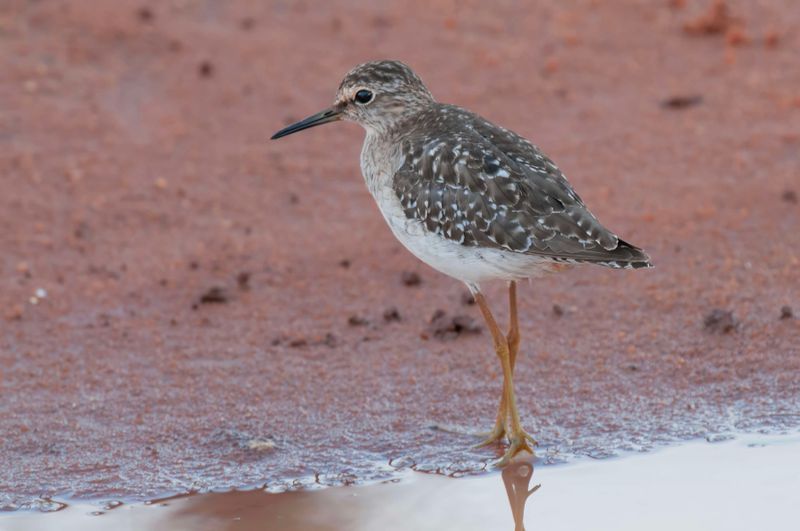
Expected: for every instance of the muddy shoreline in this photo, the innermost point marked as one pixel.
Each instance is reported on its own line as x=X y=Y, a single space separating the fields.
x=696 y=488
x=185 y=305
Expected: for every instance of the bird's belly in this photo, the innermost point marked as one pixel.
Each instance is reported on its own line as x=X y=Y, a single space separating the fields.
x=470 y=264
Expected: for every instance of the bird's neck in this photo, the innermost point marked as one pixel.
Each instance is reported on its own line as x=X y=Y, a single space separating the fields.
x=396 y=122
x=380 y=158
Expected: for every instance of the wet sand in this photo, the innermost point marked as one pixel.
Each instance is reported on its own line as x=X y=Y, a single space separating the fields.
x=747 y=483
x=186 y=306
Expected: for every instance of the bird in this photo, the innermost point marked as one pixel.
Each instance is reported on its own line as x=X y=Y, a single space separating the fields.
x=471 y=199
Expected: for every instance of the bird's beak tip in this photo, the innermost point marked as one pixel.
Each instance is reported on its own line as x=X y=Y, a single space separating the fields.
x=324 y=117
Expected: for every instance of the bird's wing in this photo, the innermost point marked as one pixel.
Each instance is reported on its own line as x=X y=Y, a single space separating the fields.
x=471 y=188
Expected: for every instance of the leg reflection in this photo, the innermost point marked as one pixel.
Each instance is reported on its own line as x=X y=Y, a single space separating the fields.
x=517 y=477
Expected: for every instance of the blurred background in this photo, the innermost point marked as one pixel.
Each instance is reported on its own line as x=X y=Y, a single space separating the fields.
x=186 y=305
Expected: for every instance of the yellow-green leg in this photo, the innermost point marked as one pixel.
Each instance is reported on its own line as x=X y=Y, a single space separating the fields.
x=506 y=346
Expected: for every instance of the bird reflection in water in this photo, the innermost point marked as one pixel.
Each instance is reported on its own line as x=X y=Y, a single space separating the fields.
x=517 y=478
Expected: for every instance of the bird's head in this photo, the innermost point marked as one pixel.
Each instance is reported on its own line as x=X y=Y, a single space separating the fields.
x=376 y=95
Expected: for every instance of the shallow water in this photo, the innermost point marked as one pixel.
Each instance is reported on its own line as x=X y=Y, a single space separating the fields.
x=750 y=482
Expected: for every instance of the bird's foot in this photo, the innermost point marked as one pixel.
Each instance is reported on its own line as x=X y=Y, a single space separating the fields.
x=451 y=428
x=497 y=435
x=488 y=438
x=518 y=442
x=528 y=437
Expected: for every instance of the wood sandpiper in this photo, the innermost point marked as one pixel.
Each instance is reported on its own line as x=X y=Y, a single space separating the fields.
x=470 y=199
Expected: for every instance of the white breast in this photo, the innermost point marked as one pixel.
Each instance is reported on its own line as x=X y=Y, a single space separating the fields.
x=468 y=264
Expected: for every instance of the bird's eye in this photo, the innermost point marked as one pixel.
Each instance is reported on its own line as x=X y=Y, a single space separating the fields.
x=363 y=96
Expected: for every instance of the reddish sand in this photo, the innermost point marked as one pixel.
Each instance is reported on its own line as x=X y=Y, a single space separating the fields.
x=136 y=176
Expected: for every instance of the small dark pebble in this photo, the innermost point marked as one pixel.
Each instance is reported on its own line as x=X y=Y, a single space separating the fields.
x=81 y=230
x=380 y=21
x=329 y=340
x=163 y=282
x=205 y=69
x=445 y=327
x=247 y=23
x=214 y=295
x=786 y=312
x=682 y=102
x=558 y=311
x=145 y=14
x=410 y=278
x=294 y=199
x=438 y=314
x=721 y=321
x=243 y=280
x=391 y=314
x=194 y=266
x=344 y=263
x=790 y=196
x=357 y=320
x=632 y=367
x=467 y=299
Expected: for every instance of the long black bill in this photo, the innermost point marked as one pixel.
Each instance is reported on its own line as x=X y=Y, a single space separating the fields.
x=328 y=115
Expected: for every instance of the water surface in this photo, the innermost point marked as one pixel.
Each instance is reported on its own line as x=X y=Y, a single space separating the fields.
x=750 y=482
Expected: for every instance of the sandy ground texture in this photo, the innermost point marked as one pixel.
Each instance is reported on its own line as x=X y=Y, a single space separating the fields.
x=186 y=305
